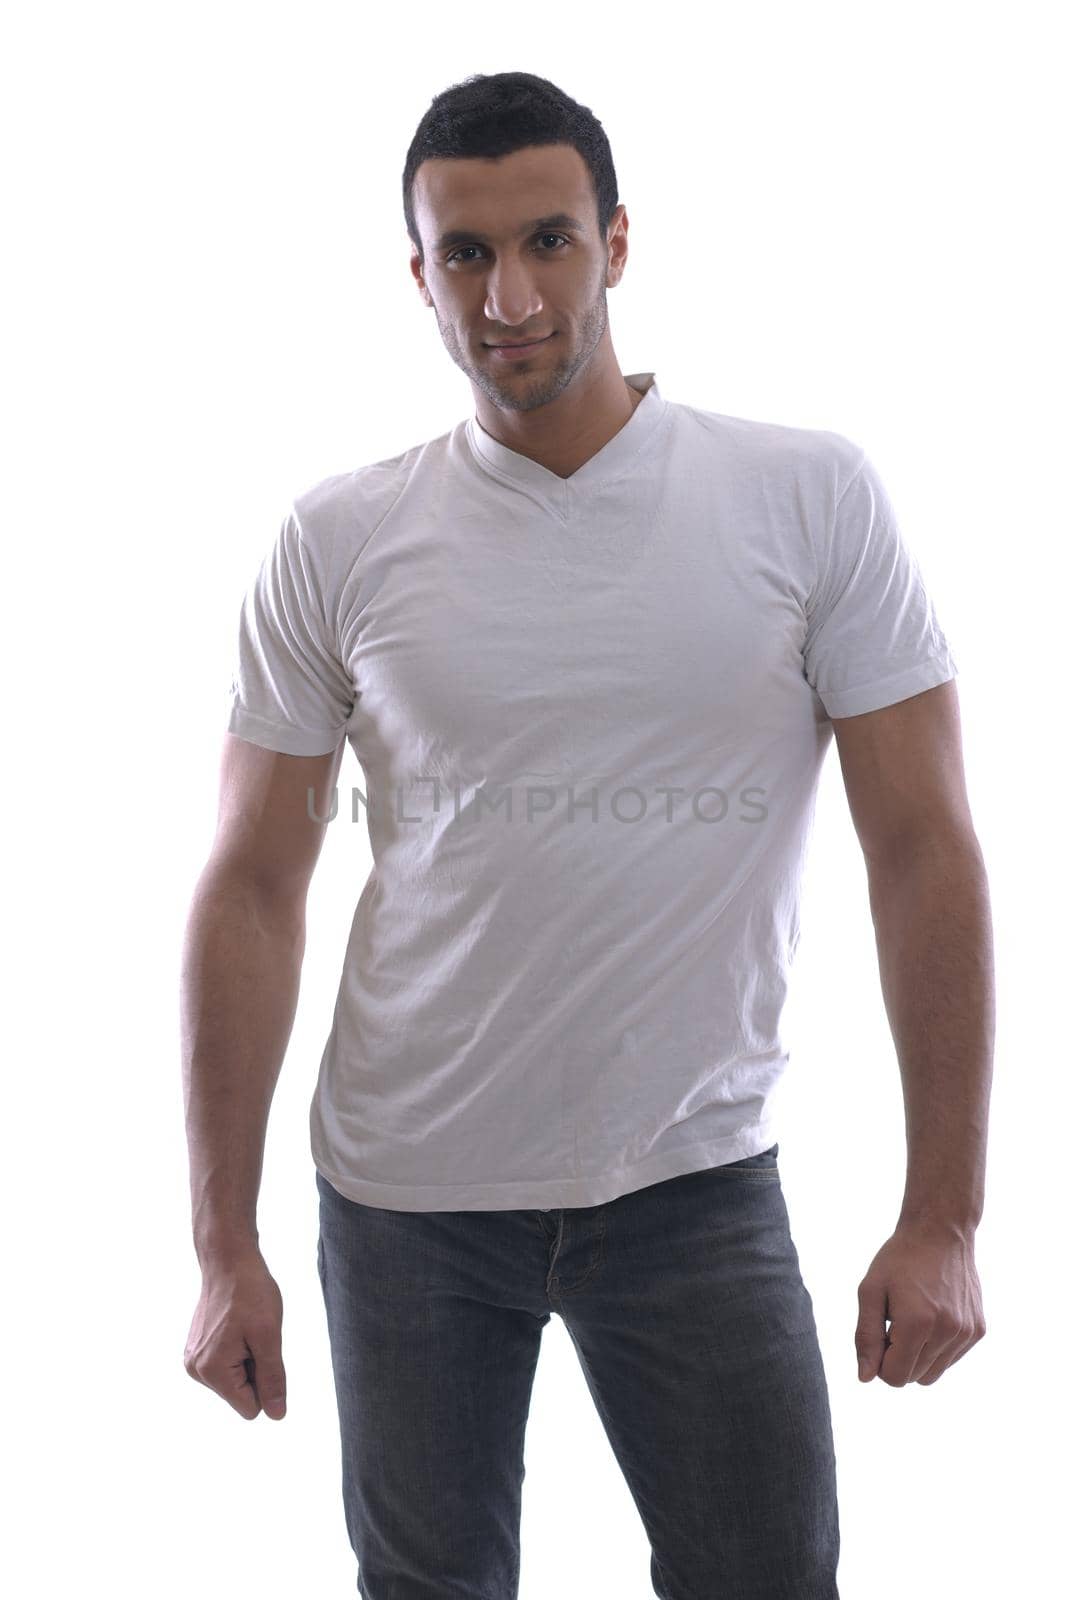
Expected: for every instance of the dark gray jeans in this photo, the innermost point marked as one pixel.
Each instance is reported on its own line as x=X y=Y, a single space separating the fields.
x=693 y=1328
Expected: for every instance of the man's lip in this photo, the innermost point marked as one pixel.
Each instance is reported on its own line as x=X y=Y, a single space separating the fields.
x=517 y=344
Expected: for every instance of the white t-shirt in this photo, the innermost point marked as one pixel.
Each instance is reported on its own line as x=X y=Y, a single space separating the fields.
x=561 y=1002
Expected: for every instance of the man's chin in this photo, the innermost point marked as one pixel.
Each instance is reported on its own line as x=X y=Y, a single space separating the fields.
x=523 y=392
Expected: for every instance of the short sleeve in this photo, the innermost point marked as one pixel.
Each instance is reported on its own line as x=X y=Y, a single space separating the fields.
x=290 y=691
x=873 y=637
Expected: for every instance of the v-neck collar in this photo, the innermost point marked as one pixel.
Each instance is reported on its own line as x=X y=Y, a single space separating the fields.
x=609 y=462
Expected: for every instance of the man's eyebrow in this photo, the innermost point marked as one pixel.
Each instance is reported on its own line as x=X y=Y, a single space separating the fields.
x=559 y=219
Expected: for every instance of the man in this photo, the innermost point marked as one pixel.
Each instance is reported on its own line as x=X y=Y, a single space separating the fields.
x=590 y=648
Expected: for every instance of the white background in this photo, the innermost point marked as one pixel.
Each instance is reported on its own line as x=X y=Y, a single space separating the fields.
x=841 y=216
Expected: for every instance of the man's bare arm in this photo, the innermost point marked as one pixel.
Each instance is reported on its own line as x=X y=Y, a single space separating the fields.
x=904 y=778
x=240 y=979
x=933 y=926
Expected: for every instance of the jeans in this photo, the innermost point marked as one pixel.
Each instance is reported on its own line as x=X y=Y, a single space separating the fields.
x=695 y=1334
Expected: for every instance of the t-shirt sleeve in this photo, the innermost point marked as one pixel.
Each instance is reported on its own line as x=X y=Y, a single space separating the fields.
x=290 y=691
x=873 y=636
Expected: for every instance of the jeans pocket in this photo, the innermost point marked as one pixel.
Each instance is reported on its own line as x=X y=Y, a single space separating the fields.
x=763 y=1165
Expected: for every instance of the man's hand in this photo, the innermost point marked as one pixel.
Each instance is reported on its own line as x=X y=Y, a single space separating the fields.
x=235 y=1342
x=923 y=1280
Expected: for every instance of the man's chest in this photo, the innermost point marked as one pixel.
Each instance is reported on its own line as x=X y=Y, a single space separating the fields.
x=638 y=638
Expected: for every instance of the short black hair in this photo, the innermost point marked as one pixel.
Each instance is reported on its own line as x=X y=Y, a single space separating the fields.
x=495 y=114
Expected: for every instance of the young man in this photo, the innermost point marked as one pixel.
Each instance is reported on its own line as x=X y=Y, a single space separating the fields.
x=590 y=648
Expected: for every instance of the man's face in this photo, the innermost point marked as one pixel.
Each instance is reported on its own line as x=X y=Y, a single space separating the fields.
x=496 y=273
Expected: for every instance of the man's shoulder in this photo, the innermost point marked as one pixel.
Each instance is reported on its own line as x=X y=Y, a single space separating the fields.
x=374 y=480
x=346 y=507
x=764 y=444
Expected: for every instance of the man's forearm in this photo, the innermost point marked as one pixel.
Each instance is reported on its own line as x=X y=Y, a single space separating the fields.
x=934 y=935
x=239 y=985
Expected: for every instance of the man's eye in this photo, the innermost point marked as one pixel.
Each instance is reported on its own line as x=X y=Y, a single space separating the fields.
x=457 y=253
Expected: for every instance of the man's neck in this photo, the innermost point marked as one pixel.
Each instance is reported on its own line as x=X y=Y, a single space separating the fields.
x=568 y=459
